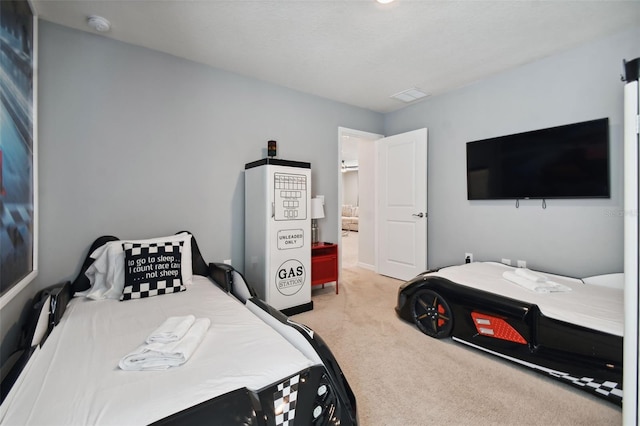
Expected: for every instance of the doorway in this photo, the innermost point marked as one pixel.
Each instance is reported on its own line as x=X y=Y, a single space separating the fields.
x=397 y=165
x=356 y=195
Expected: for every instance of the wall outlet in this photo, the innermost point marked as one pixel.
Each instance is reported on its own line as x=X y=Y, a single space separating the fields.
x=522 y=263
x=468 y=257
x=506 y=261
x=227 y=261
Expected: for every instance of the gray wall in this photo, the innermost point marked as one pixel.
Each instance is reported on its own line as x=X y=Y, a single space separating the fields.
x=136 y=143
x=573 y=237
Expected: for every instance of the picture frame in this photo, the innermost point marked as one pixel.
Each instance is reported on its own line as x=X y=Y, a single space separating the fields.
x=18 y=148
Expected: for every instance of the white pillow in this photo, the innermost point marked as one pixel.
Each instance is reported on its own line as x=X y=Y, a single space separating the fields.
x=607 y=280
x=106 y=274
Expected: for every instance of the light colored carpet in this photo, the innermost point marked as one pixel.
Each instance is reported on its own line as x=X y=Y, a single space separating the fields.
x=402 y=377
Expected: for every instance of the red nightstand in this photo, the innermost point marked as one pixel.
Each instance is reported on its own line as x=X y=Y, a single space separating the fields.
x=324 y=264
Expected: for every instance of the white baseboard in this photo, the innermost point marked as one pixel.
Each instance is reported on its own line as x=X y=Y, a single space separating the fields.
x=366 y=266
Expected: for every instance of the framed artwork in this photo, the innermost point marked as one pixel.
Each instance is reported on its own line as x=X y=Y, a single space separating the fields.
x=18 y=147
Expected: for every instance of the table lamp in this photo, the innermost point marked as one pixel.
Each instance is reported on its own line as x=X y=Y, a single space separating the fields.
x=317 y=212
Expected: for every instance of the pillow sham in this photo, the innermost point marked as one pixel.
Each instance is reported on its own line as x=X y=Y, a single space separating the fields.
x=152 y=269
x=106 y=274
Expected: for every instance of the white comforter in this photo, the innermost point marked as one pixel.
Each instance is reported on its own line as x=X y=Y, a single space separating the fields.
x=593 y=306
x=74 y=378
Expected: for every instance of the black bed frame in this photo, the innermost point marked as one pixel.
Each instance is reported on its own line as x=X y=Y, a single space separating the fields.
x=558 y=349
x=229 y=408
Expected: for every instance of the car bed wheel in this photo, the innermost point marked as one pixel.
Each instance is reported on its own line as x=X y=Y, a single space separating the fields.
x=431 y=313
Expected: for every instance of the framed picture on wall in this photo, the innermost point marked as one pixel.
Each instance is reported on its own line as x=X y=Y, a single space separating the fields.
x=18 y=147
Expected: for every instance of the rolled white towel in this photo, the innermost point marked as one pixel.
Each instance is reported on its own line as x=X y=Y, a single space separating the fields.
x=531 y=275
x=172 y=329
x=554 y=287
x=521 y=281
x=161 y=356
x=538 y=287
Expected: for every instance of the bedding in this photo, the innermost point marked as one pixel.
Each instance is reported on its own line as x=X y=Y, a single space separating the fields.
x=228 y=364
x=607 y=280
x=107 y=330
x=568 y=328
x=596 y=307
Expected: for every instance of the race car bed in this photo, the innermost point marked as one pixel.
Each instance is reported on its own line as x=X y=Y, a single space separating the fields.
x=235 y=361
x=570 y=329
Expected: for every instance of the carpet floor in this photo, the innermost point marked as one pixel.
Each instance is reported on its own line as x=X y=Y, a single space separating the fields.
x=402 y=377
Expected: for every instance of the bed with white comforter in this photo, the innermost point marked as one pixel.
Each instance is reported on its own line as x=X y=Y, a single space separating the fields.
x=568 y=328
x=79 y=362
x=595 y=306
x=245 y=353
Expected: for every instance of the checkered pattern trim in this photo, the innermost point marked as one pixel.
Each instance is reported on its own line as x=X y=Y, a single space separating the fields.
x=152 y=269
x=610 y=390
x=607 y=388
x=284 y=401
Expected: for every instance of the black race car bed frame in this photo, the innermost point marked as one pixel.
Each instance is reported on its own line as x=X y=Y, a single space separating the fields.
x=515 y=330
x=324 y=396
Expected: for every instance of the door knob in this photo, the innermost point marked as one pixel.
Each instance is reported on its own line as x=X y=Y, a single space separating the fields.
x=418 y=215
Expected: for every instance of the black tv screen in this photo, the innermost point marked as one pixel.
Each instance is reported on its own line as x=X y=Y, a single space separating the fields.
x=570 y=161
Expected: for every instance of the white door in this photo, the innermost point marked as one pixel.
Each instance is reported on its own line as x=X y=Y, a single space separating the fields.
x=401 y=223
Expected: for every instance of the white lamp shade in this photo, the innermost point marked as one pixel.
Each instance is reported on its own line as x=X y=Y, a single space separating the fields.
x=317 y=209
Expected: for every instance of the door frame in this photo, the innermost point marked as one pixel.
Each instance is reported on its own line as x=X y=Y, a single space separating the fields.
x=631 y=249
x=342 y=132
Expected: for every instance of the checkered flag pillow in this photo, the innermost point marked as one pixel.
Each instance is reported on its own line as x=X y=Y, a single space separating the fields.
x=152 y=269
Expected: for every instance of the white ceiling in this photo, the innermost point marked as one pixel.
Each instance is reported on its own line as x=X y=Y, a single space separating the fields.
x=354 y=51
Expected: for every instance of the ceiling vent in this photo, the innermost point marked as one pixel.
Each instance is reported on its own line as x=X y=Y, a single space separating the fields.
x=409 y=95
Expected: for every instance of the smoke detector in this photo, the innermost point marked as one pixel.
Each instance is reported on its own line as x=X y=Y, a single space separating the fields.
x=99 y=23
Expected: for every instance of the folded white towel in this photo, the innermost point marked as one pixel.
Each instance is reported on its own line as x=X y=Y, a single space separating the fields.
x=538 y=287
x=174 y=328
x=161 y=356
x=531 y=275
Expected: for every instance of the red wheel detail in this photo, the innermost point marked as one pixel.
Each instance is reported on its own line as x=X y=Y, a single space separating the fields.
x=431 y=313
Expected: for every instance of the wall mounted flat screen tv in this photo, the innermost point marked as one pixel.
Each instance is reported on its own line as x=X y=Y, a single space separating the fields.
x=570 y=161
